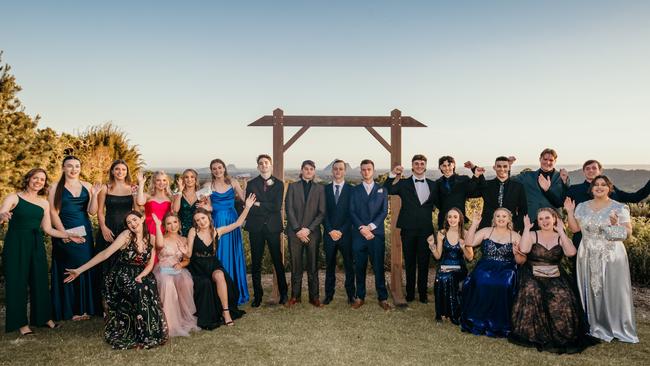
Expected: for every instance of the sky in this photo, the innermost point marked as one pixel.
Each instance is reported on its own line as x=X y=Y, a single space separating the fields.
x=488 y=78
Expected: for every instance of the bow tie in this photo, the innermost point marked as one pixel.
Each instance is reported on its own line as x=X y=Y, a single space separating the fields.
x=419 y=181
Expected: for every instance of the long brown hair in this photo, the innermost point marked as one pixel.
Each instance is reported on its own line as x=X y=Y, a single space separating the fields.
x=58 y=193
x=145 y=230
x=226 y=177
x=29 y=175
x=203 y=211
x=111 y=177
x=461 y=220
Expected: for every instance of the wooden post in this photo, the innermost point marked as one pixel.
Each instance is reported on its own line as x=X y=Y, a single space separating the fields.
x=278 y=172
x=395 y=205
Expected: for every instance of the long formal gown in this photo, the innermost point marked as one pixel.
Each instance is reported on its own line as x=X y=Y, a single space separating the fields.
x=80 y=296
x=158 y=208
x=186 y=215
x=230 y=250
x=547 y=313
x=446 y=288
x=209 y=308
x=489 y=291
x=603 y=275
x=25 y=268
x=135 y=318
x=176 y=291
x=117 y=207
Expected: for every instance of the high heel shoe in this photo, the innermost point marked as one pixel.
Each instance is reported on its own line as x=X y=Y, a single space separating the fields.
x=229 y=323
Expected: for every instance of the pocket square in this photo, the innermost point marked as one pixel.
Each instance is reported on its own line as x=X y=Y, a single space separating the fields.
x=380 y=190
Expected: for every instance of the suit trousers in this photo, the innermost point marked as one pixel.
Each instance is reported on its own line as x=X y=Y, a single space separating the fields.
x=375 y=249
x=343 y=245
x=416 y=260
x=273 y=240
x=299 y=250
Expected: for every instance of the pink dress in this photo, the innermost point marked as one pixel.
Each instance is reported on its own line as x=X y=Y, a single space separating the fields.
x=158 y=208
x=176 y=291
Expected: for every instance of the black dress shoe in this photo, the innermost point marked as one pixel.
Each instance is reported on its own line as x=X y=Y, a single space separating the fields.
x=350 y=300
x=327 y=300
x=409 y=298
x=283 y=299
x=424 y=300
x=256 y=303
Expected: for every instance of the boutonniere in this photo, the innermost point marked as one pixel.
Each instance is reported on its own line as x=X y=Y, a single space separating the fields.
x=269 y=182
x=380 y=190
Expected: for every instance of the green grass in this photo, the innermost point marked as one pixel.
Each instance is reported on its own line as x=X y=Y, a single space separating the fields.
x=305 y=335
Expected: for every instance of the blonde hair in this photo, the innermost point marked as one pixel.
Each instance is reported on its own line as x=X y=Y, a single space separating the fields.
x=152 y=184
x=553 y=213
x=494 y=224
x=196 y=178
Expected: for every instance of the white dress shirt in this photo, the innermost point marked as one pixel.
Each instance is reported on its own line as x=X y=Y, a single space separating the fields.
x=422 y=189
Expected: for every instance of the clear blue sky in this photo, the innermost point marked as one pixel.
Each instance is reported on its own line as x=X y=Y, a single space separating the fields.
x=489 y=78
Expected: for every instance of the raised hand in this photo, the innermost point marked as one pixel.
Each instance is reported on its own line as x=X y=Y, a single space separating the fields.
x=141 y=178
x=511 y=160
x=180 y=184
x=156 y=220
x=250 y=200
x=569 y=204
x=398 y=169
x=544 y=182
x=72 y=274
x=97 y=187
x=527 y=224
x=564 y=175
x=476 y=217
x=479 y=171
x=613 y=218
x=469 y=165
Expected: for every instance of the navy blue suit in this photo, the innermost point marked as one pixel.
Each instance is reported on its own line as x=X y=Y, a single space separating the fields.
x=364 y=210
x=337 y=217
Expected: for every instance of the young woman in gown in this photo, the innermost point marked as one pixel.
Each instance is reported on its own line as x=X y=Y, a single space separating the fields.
x=135 y=318
x=215 y=295
x=23 y=255
x=157 y=200
x=450 y=249
x=71 y=201
x=185 y=201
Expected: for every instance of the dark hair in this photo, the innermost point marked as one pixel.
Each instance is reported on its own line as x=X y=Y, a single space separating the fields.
x=419 y=157
x=548 y=151
x=111 y=177
x=308 y=162
x=263 y=156
x=336 y=161
x=203 y=211
x=501 y=158
x=592 y=161
x=461 y=221
x=173 y=214
x=609 y=183
x=29 y=175
x=145 y=229
x=448 y=159
x=367 y=161
x=58 y=193
x=226 y=177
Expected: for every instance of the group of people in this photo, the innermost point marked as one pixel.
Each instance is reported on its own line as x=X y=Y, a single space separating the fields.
x=178 y=265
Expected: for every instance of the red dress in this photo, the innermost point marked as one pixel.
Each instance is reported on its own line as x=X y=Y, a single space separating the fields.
x=158 y=208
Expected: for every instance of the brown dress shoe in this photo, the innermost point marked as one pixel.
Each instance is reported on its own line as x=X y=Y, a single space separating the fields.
x=357 y=304
x=384 y=305
x=292 y=301
x=316 y=303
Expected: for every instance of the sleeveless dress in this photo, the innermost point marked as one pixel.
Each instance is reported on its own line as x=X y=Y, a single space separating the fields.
x=547 y=314
x=25 y=266
x=176 y=291
x=230 y=250
x=209 y=308
x=603 y=274
x=185 y=215
x=489 y=291
x=79 y=296
x=158 y=208
x=117 y=207
x=446 y=288
x=135 y=318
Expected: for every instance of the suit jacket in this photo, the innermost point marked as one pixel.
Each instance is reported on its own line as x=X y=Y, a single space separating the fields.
x=413 y=215
x=514 y=199
x=369 y=208
x=462 y=187
x=308 y=214
x=337 y=215
x=535 y=197
x=269 y=213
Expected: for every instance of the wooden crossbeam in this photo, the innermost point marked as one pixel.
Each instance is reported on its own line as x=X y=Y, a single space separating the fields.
x=295 y=137
x=379 y=138
x=338 y=121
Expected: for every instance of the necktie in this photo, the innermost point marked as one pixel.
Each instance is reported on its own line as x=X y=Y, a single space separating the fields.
x=500 y=199
x=419 y=180
x=337 y=193
x=447 y=185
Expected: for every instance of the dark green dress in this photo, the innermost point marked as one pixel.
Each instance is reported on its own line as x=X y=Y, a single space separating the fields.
x=25 y=267
x=186 y=215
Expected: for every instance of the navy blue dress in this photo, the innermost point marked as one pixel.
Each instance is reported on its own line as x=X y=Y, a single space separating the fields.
x=446 y=288
x=78 y=297
x=489 y=292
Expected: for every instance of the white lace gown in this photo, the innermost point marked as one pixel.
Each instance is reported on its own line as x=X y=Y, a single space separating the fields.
x=604 y=275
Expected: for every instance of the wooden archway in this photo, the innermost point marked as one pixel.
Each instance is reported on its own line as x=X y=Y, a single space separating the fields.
x=395 y=121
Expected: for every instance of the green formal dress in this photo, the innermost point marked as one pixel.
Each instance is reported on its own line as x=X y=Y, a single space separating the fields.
x=25 y=267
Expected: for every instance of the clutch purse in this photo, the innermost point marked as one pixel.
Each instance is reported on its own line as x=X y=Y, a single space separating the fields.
x=78 y=231
x=449 y=268
x=546 y=271
x=169 y=270
x=615 y=233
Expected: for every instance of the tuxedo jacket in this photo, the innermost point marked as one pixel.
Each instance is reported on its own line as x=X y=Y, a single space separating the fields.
x=369 y=208
x=269 y=213
x=536 y=197
x=414 y=215
x=308 y=214
x=514 y=199
x=462 y=187
x=337 y=214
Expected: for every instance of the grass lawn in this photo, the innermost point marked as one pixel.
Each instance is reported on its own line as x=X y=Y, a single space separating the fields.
x=333 y=335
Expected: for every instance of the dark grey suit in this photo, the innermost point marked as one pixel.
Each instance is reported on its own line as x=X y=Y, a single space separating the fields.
x=308 y=214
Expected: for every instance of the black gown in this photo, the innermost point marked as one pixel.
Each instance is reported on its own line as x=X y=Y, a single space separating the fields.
x=209 y=309
x=117 y=207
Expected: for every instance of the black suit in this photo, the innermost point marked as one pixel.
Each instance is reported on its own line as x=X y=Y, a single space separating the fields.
x=453 y=192
x=416 y=223
x=264 y=224
x=337 y=217
x=514 y=199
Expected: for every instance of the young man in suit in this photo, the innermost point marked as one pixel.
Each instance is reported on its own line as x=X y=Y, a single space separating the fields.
x=500 y=192
x=305 y=209
x=453 y=189
x=368 y=210
x=415 y=220
x=337 y=234
x=264 y=226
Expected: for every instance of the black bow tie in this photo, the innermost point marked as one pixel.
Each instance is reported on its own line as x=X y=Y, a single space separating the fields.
x=419 y=181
